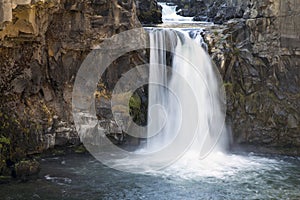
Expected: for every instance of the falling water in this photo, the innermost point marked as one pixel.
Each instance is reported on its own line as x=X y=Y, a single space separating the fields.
x=169 y=14
x=159 y=96
x=191 y=90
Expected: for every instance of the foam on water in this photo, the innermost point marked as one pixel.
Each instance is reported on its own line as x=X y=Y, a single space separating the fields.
x=217 y=165
x=169 y=14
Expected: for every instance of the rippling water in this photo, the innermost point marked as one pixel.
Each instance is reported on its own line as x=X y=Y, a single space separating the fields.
x=225 y=177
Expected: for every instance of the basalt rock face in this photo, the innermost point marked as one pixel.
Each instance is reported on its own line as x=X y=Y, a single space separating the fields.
x=259 y=55
x=192 y=8
x=258 y=51
x=42 y=45
x=189 y=8
x=149 y=12
x=210 y=10
x=215 y=11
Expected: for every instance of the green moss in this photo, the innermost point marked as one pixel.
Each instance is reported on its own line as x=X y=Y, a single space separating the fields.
x=80 y=149
x=138 y=109
x=5 y=179
x=58 y=152
x=17 y=137
x=4 y=140
x=228 y=85
x=240 y=97
x=135 y=102
x=236 y=51
x=272 y=96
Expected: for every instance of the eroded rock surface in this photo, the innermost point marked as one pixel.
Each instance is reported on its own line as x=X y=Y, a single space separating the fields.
x=259 y=55
x=149 y=12
x=257 y=48
x=43 y=44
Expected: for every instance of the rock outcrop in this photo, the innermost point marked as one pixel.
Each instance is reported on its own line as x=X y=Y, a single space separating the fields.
x=43 y=44
x=259 y=55
x=149 y=12
x=258 y=51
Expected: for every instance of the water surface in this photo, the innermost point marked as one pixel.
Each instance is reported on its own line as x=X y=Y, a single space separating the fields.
x=233 y=177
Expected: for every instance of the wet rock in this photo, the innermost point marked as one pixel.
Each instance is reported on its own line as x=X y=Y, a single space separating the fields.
x=49 y=141
x=261 y=75
x=200 y=18
x=26 y=168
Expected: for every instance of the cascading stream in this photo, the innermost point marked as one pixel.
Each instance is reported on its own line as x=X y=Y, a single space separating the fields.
x=190 y=90
x=169 y=14
x=187 y=98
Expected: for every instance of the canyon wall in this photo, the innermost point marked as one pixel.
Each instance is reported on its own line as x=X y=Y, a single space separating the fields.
x=43 y=44
x=257 y=48
x=259 y=55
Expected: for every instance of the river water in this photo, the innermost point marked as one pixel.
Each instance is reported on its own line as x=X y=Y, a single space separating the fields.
x=249 y=176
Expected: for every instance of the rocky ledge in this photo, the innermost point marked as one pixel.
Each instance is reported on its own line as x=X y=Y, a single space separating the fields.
x=259 y=57
x=149 y=12
x=43 y=43
x=257 y=49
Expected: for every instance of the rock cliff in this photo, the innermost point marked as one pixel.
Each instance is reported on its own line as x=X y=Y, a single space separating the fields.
x=43 y=43
x=149 y=12
x=259 y=54
x=257 y=50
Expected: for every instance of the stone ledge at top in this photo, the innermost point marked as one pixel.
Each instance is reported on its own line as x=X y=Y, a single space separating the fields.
x=6 y=7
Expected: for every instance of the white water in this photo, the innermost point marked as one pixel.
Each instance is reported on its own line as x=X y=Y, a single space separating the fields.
x=160 y=101
x=169 y=14
x=189 y=104
x=194 y=99
x=195 y=94
x=218 y=165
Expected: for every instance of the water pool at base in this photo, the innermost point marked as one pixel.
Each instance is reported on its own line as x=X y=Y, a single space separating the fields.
x=233 y=177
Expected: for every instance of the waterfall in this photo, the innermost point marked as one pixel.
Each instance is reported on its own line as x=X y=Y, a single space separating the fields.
x=169 y=14
x=159 y=97
x=186 y=105
x=185 y=97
